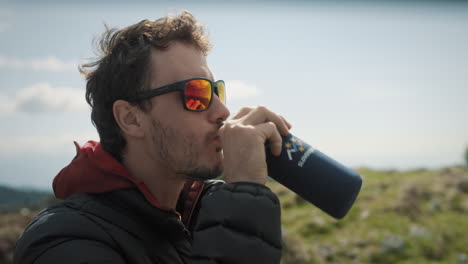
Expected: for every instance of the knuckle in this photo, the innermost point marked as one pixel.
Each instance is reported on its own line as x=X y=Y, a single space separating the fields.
x=236 y=128
x=262 y=108
x=245 y=109
x=240 y=129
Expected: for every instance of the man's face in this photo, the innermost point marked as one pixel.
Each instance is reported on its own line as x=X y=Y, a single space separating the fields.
x=179 y=141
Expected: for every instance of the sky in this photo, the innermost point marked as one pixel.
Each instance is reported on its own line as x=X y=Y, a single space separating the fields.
x=378 y=84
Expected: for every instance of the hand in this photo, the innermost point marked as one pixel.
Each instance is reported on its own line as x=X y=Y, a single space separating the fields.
x=243 y=138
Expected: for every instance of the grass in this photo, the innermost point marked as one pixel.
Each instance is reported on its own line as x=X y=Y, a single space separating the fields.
x=414 y=216
x=11 y=226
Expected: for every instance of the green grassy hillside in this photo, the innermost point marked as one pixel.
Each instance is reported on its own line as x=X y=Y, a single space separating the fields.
x=11 y=198
x=416 y=216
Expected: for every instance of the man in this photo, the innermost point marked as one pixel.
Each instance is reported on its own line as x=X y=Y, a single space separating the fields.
x=143 y=194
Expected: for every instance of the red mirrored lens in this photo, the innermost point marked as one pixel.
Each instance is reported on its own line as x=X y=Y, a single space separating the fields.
x=197 y=94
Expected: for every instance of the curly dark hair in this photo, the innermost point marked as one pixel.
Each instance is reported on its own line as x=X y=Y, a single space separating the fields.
x=124 y=68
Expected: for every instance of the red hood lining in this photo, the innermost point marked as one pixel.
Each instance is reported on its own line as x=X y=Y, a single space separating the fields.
x=93 y=170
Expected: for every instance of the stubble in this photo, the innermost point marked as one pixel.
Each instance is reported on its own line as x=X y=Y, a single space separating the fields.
x=182 y=153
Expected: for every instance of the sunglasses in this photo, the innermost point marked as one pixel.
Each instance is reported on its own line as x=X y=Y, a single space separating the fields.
x=197 y=93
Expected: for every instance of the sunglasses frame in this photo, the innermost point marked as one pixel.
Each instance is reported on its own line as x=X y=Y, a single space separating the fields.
x=180 y=86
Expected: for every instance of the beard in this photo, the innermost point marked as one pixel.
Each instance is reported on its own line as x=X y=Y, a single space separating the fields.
x=182 y=153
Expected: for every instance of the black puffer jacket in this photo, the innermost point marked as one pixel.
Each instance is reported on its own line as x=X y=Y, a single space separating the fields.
x=232 y=223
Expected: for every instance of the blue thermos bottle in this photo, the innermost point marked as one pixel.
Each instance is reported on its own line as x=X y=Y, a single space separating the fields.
x=314 y=176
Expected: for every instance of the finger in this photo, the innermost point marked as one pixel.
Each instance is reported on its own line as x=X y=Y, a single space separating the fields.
x=286 y=122
x=242 y=112
x=262 y=114
x=270 y=133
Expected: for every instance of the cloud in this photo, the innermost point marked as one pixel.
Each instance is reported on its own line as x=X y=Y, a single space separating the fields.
x=238 y=90
x=50 y=63
x=6 y=105
x=45 y=143
x=42 y=97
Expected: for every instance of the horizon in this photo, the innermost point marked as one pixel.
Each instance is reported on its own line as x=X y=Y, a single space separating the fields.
x=378 y=85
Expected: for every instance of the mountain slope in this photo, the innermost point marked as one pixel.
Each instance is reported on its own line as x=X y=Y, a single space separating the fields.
x=11 y=198
x=416 y=216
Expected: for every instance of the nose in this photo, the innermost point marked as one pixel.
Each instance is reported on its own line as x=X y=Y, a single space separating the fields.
x=218 y=111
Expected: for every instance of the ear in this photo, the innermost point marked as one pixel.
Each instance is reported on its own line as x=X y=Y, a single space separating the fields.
x=128 y=118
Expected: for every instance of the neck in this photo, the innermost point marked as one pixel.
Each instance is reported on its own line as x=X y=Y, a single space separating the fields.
x=163 y=183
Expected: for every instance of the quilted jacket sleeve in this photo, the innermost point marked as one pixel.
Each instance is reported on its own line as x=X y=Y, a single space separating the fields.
x=237 y=223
